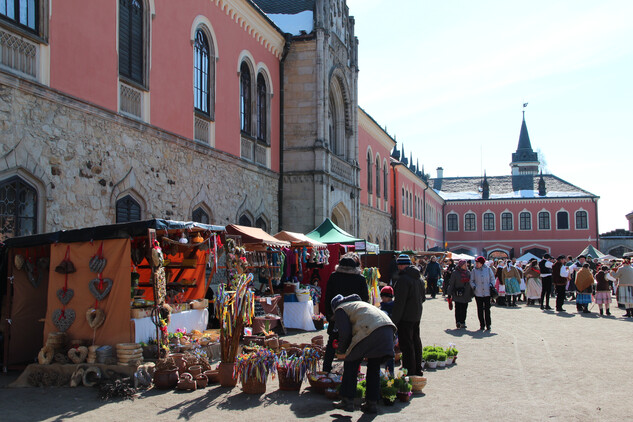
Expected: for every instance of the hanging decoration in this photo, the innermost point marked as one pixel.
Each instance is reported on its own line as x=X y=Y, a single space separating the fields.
x=100 y=287
x=95 y=317
x=63 y=319
x=65 y=295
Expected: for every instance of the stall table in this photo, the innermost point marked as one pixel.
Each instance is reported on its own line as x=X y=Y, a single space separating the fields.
x=195 y=319
x=299 y=315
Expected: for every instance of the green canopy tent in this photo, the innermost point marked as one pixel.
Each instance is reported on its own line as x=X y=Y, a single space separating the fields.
x=592 y=252
x=328 y=232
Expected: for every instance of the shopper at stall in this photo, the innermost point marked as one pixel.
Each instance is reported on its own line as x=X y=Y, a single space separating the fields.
x=407 y=311
x=346 y=280
x=364 y=332
x=461 y=292
x=481 y=279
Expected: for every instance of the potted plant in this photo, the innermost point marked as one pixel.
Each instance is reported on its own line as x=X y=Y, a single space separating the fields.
x=403 y=387
x=441 y=359
x=252 y=369
x=431 y=359
x=389 y=394
x=451 y=352
x=361 y=388
x=235 y=308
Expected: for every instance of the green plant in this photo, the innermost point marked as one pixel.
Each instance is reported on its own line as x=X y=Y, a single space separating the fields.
x=441 y=357
x=431 y=356
x=360 y=391
x=389 y=393
x=401 y=384
x=451 y=351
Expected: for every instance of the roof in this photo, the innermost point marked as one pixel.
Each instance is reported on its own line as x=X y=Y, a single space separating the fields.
x=298 y=239
x=617 y=234
x=255 y=236
x=524 y=186
x=592 y=252
x=524 y=153
x=287 y=7
x=110 y=231
x=328 y=232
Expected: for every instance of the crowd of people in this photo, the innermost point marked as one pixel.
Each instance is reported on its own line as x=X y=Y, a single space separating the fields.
x=358 y=330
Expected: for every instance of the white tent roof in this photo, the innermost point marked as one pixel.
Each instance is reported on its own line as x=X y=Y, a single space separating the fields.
x=526 y=257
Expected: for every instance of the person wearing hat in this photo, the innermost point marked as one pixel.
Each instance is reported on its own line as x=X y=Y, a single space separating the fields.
x=461 y=292
x=346 y=280
x=364 y=332
x=545 y=267
x=481 y=279
x=560 y=276
x=409 y=295
x=386 y=305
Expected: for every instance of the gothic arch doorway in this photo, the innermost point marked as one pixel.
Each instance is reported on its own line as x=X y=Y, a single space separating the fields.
x=341 y=217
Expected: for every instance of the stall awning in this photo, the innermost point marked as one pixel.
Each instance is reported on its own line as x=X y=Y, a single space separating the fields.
x=255 y=236
x=328 y=232
x=592 y=252
x=299 y=239
x=110 y=231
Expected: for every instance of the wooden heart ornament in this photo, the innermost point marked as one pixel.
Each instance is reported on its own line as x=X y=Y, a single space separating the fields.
x=18 y=262
x=93 y=286
x=78 y=355
x=63 y=319
x=95 y=317
x=64 y=296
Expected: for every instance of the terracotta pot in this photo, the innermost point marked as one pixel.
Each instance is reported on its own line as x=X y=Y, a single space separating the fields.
x=213 y=376
x=272 y=342
x=403 y=397
x=167 y=378
x=195 y=370
x=225 y=371
x=201 y=380
x=179 y=361
x=186 y=382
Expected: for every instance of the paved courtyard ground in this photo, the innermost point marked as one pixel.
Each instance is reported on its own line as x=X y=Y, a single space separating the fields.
x=534 y=365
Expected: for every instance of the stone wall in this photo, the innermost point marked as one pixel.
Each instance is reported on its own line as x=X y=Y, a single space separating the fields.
x=82 y=159
x=376 y=226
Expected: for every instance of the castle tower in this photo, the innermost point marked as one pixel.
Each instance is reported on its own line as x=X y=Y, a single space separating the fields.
x=525 y=160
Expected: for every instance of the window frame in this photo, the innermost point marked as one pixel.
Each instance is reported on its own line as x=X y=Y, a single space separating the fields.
x=262 y=107
x=131 y=201
x=541 y=220
x=504 y=221
x=201 y=212
x=558 y=222
x=370 y=165
x=198 y=73
x=378 y=176
x=449 y=224
x=246 y=98
x=15 y=21
x=143 y=83
x=473 y=217
x=485 y=224
x=243 y=219
x=22 y=185
x=521 y=221
x=585 y=218
x=385 y=170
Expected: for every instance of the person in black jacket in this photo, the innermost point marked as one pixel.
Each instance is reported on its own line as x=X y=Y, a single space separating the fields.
x=409 y=295
x=545 y=267
x=433 y=272
x=346 y=280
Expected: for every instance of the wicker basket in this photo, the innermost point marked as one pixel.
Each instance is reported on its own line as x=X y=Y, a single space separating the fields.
x=254 y=386
x=320 y=385
x=287 y=383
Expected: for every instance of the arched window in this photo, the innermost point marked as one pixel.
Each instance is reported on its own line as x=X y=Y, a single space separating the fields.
x=18 y=208
x=489 y=221
x=506 y=221
x=470 y=222
x=261 y=223
x=525 y=221
x=404 y=207
x=452 y=225
x=543 y=220
x=333 y=123
x=245 y=98
x=385 y=171
x=199 y=215
x=245 y=221
x=202 y=98
x=562 y=220
x=127 y=209
x=378 y=177
x=581 y=220
x=370 y=165
x=262 y=109
x=131 y=42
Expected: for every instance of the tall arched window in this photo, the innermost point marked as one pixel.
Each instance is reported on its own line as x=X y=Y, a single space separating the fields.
x=385 y=171
x=131 y=42
x=562 y=220
x=506 y=221
x=470 y=222
x=404 y=208
x=370 y=166
x=18 y=208
x=581 y=220
x=489 y=221
x=261 y=223
x=525 y=221
x=245 y=221
x=262 y=109
x=543 y=220
x=378 y=176
x=245 y=98
x=452 y=224
x=199 y=215
x=202 y=74
x=127 y=209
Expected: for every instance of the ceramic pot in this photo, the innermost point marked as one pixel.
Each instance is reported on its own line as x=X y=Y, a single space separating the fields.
x=225 y=371
x=186 y=382
x=201 y=381
x=167 y=378
x=213 y=376
x=441 y=363
x=195 y=370
x=403 y=397
x=432 y=364
x=179 y=361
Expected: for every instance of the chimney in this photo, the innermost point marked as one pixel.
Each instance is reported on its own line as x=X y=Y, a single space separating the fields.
x=440 y=173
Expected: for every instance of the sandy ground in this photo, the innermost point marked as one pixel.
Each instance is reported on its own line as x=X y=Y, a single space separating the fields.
x=534 y=365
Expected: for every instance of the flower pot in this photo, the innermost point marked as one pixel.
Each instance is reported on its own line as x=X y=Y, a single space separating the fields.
x=201 y=381
x=179 y=361
x=253 y=386
x=403 y=397
x=449 y=360
x=195 y=370
x=186 y=382
x=225 y=371
x=432 y=364
x=167 y=378
x=213 y=376
x=287 y=383
x=417 y=383
x=441 y=363
x=387 y=402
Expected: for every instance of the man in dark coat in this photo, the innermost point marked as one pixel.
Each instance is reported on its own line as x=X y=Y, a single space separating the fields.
x=346 y=280
x=407 y=311
x=433 y=272
x=364 y=332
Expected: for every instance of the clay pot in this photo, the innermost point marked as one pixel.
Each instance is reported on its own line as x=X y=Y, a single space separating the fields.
x=272 y=342
x=195 y=370
x=186 y=382
x=403 y=397
x=167 y=378
x=179 y=361
x=213 y=376
x=201 y=380
x=225 y=371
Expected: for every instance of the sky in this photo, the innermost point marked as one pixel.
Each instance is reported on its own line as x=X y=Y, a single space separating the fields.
x=448 y=79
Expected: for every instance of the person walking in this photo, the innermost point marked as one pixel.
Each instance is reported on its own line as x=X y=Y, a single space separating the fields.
x=624 y=275
x=584 y=285
x=511 y=277
x=407 y=312
x=364 y=332
x=433 y=272
x=603 y=290
x=447 y=275
x=560 y=275
x=346 y=280
x=460 y=292
x=534 y=286
x=481 y=279
x=545 y=267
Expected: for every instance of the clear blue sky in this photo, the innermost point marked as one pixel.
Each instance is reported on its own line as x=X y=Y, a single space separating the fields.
x=448 y=78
